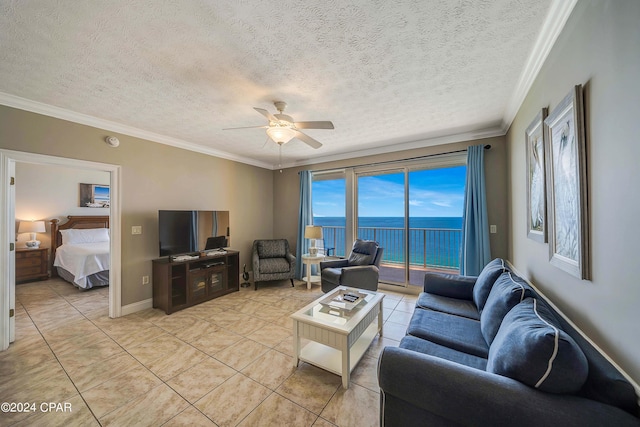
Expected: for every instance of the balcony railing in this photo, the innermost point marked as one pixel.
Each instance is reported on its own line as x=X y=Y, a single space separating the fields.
x=437 y=248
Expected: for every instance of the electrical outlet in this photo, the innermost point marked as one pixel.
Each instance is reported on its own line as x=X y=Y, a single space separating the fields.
x=145 y=280
x=493 y=229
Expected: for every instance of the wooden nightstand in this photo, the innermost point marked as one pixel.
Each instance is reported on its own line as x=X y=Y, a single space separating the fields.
x=32 y=264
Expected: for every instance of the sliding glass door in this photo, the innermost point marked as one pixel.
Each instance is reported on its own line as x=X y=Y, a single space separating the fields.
x=381 y=216
x=413 y=210
x=436 y=197
x=415 y=214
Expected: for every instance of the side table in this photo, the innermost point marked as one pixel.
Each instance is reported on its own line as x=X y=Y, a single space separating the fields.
x=310 y=260
x=32 y=264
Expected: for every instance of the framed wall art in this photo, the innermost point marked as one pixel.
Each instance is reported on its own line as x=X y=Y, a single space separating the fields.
x=536 y=179
x=566 y=186
x=94 y=196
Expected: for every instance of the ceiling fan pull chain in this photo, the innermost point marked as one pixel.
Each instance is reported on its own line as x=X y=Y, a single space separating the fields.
x=280 y=157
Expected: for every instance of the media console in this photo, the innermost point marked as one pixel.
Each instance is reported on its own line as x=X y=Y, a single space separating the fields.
x=181 y=284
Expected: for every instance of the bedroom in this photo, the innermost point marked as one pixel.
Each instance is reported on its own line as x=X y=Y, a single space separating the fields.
x=38 y=197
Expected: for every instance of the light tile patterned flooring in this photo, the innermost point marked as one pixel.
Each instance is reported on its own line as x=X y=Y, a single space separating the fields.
x=225 y=362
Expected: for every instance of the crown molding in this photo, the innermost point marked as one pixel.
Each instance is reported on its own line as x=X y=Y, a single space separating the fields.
x=422 y=143
x=559 y=12
x=84 y=119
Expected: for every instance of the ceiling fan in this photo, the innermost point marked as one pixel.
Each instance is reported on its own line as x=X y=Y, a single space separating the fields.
x=282 y=128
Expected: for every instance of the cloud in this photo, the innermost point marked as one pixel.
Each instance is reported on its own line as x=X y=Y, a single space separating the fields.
x=415 y=203
x=444 y=204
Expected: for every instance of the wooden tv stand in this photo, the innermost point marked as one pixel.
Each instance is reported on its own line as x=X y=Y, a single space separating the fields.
x=181 y=284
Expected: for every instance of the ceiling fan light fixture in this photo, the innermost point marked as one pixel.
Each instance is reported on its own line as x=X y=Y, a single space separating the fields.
x=281 y=135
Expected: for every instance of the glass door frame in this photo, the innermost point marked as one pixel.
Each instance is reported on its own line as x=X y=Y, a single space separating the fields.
x=377 y=171
x=408 y=166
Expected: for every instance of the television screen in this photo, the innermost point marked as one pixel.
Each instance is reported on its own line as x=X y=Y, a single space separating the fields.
x=183 y=232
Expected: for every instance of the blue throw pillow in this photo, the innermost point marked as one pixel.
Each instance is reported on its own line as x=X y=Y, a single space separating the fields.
x=485 y=281
x=530 y=347
x=508 y=291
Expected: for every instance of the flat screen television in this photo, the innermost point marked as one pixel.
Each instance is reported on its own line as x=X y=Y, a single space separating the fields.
x=183 y=231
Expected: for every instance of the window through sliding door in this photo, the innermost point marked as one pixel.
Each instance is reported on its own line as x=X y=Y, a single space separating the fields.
x=436 y=198
x=328 y=203
x=382 y=217
x=413 y=209
x=415 y=214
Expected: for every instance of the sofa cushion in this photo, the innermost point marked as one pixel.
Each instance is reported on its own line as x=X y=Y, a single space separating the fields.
x=459 y=307
x=274 y=265
x=459 y=333
x=363 y=252
x=530 y=347
x=412 y=343
x=485 y=281
x=272 y=248
x=506 y=292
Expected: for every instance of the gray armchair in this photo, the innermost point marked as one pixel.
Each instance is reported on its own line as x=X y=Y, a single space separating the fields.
x=272 y=260
x=360 y=270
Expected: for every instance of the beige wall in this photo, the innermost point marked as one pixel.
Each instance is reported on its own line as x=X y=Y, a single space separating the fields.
x=154 y=176
x=598 y=48
x=287 y=188
x=44 y=192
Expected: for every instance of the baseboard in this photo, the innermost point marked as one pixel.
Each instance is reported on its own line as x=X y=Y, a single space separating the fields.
x=137 y=306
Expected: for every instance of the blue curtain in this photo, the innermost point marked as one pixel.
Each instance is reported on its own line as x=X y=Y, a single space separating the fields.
x=476 y=252
x=305 y=218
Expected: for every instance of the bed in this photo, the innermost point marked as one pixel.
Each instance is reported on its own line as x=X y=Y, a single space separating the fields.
x=80 y=250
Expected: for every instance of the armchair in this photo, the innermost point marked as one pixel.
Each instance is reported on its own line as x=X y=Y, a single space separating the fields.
x=272 y=260
x=360 y=270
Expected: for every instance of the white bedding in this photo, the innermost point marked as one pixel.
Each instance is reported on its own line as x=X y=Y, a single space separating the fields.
x=82 y=260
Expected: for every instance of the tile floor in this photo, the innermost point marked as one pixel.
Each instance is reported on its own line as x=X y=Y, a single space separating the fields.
x=225 y=362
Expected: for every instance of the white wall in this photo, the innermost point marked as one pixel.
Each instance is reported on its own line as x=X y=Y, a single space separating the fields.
x=44 y=192
x=600 y=49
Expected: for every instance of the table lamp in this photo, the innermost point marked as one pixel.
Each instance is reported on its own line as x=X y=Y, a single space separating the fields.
x=32 y=227
x=313 y=232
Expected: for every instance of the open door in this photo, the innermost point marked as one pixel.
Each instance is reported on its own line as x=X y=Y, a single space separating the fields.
x=7 y=254
x=8 y=160
x=12 y=253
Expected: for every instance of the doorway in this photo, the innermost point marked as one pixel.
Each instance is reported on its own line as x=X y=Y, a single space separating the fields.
x=8 y=160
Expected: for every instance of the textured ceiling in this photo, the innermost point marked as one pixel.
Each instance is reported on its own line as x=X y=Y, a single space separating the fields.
x=389 y=74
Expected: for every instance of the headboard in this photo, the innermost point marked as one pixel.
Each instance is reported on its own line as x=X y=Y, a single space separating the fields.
x=73 y=222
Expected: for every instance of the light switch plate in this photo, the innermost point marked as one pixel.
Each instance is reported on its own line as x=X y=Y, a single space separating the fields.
x=493 y=229
x=136 y=229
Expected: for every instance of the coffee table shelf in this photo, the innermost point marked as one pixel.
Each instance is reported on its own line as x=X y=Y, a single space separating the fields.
x=330 y=359
x=335 y=339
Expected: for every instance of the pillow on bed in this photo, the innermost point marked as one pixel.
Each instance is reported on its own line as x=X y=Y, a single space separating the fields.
x=84 y=235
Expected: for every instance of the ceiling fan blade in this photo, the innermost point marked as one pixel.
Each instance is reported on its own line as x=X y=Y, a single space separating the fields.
x=314 y=125
x=308 y=140
x=265 y=113
x=247 y=127
x=265 y=143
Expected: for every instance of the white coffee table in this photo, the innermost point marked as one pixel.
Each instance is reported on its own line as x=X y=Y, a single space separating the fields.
x=334 y=339
x=310 y=260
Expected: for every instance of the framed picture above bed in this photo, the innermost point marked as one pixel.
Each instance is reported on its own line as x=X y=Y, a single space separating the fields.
x=94 y=196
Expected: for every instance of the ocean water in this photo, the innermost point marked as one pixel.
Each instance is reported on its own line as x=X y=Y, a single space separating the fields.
x=433 y=241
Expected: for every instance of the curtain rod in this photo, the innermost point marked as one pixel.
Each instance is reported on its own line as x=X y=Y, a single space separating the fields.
x=486 y=147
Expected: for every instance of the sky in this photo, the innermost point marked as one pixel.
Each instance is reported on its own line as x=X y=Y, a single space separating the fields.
x=432 y=193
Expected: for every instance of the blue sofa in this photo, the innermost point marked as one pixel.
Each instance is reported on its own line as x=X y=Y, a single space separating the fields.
x=490 y=351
